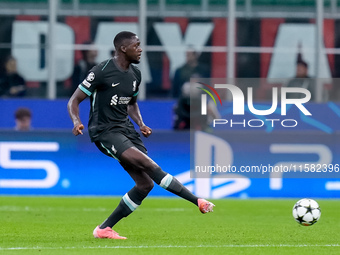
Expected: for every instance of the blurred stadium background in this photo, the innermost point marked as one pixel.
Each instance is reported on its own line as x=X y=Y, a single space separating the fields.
x=233 y=39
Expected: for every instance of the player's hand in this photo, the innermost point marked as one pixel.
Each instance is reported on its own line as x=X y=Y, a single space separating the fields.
x=77 y=129
x=146 y=131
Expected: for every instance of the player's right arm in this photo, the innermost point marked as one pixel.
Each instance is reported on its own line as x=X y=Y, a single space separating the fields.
x=73 y=110
x=86 y=88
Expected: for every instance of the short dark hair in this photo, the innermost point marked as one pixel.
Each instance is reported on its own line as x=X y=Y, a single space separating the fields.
x=22 y=112
x=119 y=39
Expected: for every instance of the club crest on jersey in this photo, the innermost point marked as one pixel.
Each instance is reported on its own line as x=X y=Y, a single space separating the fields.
x=90 y=77
x=113 y=149
x=134 y=85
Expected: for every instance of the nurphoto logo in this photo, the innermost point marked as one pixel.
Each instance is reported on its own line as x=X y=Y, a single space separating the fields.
x=238 y=105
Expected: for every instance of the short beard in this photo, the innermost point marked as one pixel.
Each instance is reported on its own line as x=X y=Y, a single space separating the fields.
x=135 y=61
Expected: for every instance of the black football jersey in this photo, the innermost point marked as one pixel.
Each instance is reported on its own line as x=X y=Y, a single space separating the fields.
x=110 y=90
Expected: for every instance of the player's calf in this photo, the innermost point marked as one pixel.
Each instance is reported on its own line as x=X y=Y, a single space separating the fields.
x=170 y=183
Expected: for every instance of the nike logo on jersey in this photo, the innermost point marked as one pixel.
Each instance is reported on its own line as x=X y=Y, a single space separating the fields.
x=115 y=84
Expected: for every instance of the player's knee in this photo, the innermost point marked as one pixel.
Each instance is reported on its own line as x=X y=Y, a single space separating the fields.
x=149 y=185
x=147 y=165
x=145 y=186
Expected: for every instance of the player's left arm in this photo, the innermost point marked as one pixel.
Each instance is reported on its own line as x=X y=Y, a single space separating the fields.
x=134 y=113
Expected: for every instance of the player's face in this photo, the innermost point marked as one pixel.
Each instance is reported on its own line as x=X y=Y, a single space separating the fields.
x=134 y=51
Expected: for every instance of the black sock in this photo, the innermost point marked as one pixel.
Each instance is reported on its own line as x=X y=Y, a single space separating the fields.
x=171 y=184
x=127 y=205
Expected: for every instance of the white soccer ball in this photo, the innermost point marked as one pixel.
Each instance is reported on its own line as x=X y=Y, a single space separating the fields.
x=306 y=212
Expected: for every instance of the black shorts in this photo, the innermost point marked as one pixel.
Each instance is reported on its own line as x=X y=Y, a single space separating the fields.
x=115 y=141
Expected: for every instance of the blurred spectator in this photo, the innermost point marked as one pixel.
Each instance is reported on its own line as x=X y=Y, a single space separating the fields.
x=301 y=80
x=188 y=109
x=23 y=119
x=84 y=65
x=12 y=84
x=182 y=111
x=183 y=73
x=334 y=94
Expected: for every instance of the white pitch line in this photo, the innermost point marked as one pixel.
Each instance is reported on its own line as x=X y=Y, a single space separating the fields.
x=67 y=209
x=174 y=246
x=49 y=209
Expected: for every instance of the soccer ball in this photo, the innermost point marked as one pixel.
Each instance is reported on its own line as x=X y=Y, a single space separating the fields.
x=306 y=212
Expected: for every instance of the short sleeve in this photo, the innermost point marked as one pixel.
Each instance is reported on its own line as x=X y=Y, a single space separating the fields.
x=91 y=82
x=136 y=91
x=138 y=81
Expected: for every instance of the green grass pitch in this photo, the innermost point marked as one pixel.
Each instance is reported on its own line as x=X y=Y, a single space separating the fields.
x=64 y=225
